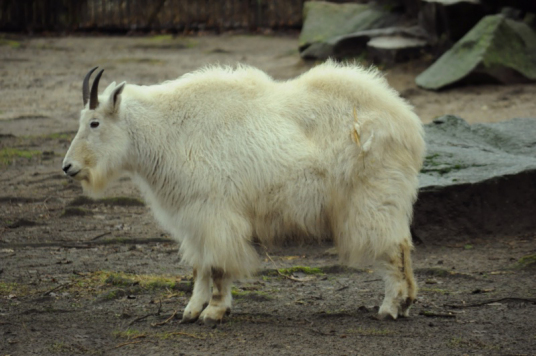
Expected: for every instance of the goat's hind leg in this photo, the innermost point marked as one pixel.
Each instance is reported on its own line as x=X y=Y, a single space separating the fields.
x=221 y=300
x=400 y=286
x=200 y=296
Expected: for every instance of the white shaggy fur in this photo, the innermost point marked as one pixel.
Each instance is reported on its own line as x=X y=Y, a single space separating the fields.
x=228 y=156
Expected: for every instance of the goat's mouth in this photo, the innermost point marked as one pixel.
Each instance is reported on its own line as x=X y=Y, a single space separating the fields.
x=75 y=174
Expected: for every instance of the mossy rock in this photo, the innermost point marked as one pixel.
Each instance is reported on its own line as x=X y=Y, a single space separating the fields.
x=496 y=49
x=324 y=21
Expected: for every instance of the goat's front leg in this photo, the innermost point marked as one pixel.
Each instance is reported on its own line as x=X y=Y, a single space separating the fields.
x=200 y=296
x=220 y=303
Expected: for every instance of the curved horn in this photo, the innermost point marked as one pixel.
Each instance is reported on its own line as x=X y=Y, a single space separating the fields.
x=85 y=86
x=94 y=95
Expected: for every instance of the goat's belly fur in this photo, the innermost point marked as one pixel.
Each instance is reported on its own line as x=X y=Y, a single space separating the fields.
x=334 y=154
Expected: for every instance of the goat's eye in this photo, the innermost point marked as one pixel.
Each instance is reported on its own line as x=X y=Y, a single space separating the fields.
x=94 y=124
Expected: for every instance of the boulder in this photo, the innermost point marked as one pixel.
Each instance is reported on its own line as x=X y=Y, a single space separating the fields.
x=325 y=21
x=441 y=19
x=459 y=153
x=400 y=41
x=477 y=179
x=497 y=49
x=395 y=49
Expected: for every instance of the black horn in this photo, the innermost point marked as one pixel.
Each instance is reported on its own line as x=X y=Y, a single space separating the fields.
x=94 y=95
x=85 y=86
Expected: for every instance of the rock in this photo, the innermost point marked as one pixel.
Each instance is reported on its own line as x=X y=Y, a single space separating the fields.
x=477 y=179
x=356 y=43
x=497 y=49
x=324 y=21
x=524 y=5
x=395 y=49
x=459 y=153
x=441 y=19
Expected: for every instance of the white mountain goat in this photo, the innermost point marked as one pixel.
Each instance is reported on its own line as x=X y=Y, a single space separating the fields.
x=228 y=158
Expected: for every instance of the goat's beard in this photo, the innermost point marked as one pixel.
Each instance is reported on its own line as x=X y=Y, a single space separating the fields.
x=95 y=181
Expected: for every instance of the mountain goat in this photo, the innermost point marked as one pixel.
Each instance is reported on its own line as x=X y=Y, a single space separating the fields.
x=228 y=158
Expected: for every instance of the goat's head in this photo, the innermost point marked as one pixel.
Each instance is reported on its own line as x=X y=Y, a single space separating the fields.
x=97 y=153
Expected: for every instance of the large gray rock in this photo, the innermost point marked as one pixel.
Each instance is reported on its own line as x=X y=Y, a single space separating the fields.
x=446 y=21
x=459 y=153
x=477 y=179
x=408 y=39
x=325 y=21
x=497 y=49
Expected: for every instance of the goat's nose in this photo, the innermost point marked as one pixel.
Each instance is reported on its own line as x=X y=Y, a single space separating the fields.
x=66 y=168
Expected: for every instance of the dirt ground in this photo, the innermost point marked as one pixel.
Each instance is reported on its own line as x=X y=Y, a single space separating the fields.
x=100 y=277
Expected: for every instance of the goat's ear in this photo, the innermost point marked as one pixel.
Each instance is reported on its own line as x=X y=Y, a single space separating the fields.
x=115 y=97
x=109 y=89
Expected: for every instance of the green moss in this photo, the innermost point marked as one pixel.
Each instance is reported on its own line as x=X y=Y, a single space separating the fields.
x=434 y=291
x=161 y=38
x=9 y=43
x=370 y=332
x=61 y=135
x=528 y=261
x=7 y=288
x=165 y=42
x=147 y=282
x=302 y=269
x=127 y=334
x=473 y=343
x=252 y=295
x=116 y=201
x=122 y=201
x=152 y=61
x=8 y=155
x=74 y=211
x=61 y=347
x=117 y=279
x=434 y=271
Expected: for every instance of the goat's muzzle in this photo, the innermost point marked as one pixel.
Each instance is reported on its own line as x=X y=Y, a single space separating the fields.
x=68 y=171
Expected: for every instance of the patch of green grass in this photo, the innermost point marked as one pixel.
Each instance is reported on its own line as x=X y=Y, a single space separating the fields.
x=153 y=61
x=165 y=42
x=9 y=43
x=131 y=334
x=528 y=261
x=61 y=135
x=459 y=342
x=60 y=347
x=145 y=281
x=127 y=334
x=107 y=285
x=7 y=155
x=302 y=269
x=7 y=288
x=434 y=291
x=117 y=201
x=252 y=295
x=74 y=211
x=370 y=331
x=161 y=38
x=122 y=201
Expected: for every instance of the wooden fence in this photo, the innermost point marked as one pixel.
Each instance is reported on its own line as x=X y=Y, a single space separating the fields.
x=143 y=15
